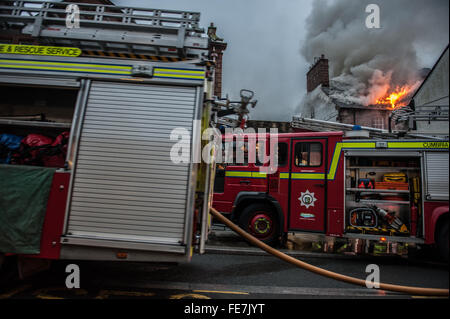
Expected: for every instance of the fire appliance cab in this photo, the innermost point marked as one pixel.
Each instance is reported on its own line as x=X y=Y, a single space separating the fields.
x=395 y=190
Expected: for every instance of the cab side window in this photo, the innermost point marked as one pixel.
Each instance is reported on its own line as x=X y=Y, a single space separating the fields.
x=232 y=156
x=240 y=153
x=282 y=154
x=308 y=154
x=219 y=180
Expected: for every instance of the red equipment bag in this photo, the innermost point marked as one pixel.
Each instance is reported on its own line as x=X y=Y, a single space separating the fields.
x=56 y=155
x=29 y=152
x=40 y=150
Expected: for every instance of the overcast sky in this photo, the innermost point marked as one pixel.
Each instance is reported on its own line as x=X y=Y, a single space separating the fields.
x=264 y=41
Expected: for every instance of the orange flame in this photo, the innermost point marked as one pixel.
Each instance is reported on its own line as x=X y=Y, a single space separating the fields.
x=394 y=98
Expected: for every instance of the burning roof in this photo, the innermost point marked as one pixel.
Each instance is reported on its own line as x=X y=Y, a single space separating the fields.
x=371 y=66
x=351 y=95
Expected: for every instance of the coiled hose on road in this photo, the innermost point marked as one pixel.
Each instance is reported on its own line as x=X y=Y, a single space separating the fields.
x=323 y=272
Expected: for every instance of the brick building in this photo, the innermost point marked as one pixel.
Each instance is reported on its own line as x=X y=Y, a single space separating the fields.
x=318 y=74
x=217 y=46
x=320 y=103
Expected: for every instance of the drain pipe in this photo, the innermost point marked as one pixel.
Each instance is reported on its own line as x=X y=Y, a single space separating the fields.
x=323 y=272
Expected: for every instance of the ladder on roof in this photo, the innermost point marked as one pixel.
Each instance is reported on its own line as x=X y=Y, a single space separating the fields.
x=109 y=28
x=325 y=126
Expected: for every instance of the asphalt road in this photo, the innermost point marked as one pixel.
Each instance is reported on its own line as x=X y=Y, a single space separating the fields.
x=230 y=269
x=224 y=276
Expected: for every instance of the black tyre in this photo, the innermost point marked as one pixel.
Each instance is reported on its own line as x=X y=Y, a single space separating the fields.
x=260 y=221
x=442 y=239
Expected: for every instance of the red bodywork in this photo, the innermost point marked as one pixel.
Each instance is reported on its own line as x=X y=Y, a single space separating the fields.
x=323 y=212
x=328 y=214
x=54 y=217
x=433 y=210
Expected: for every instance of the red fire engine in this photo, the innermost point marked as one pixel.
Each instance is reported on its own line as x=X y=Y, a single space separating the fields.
x=102 y=100
x=394 y=190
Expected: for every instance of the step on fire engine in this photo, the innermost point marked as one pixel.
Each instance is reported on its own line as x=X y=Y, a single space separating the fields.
x=108 y=93
x=377 y=189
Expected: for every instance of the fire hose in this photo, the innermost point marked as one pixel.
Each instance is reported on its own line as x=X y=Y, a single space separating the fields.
x=323 y=272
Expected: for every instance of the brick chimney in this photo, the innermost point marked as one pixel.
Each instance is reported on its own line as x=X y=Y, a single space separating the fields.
x=318 y=74
x=216 y=48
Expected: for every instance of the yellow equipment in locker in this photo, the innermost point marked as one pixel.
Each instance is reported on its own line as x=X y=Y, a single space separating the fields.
x=394 y=177
x=416 y=190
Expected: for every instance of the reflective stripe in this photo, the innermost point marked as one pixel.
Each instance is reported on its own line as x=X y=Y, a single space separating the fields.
x=188 y=74
x=350 y=145
x=179 y=73
x=357 y=145
x=259 y=175
x=192 y=77
x=337 y=154
x=335 y=161
x=124 y=67
x=420 y=145
x=303 y=175
x=52 y=68
x=284 y=175
x=200 y=72
x=308 y=176
x=65 y=66
x=238 y=174
x=245 y=174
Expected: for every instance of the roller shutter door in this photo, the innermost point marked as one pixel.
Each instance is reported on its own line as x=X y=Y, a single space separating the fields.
x=124 y=185
x=436 y=170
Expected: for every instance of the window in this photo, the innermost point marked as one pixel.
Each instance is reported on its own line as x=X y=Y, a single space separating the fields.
x=219 y=180
x=244 y=153
x=234 y=153
x=240 y=153
x=282 y=154
x=308 y=154
x=378 y=122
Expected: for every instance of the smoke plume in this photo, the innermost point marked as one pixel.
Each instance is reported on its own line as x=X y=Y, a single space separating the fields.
x=366 y=64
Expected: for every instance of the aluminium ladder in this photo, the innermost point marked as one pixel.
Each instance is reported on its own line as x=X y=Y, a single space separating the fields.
x=109 y=28
x=325 y=126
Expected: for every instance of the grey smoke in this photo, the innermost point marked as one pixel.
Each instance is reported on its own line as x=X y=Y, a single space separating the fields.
x=264 y=38
x=364 y=62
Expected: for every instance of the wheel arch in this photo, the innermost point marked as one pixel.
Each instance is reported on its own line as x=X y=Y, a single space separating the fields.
x=440 y=214
x=244 y=199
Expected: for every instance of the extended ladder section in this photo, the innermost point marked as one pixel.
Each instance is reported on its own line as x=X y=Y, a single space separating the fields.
x=107 y=28
x=424 y=113
x=326 y=126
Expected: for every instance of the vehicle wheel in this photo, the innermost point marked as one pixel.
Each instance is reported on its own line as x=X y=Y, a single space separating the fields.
x=442 y=240
x=260 y=221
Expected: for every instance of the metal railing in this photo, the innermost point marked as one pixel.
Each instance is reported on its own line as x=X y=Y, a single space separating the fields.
x=324 y=126
x=107 y=28
x=96 y=15
x=421 y=113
